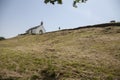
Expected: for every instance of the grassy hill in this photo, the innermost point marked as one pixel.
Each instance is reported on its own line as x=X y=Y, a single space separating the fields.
x=90 y=53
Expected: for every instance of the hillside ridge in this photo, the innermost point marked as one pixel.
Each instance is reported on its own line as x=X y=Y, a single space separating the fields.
x=96 y=26
x=89 y=53
x=102 y=25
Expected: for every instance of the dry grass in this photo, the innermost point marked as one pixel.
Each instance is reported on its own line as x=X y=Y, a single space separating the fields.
x=83 y=54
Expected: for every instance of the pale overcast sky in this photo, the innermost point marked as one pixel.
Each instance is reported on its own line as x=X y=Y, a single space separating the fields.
x=16 y=16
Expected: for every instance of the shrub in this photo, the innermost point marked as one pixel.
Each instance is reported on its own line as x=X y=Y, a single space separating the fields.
x=2 y=38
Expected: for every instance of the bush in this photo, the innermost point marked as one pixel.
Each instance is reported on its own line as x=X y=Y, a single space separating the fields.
x=2 y=38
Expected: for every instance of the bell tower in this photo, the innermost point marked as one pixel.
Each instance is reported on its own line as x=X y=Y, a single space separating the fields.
x=41 y=23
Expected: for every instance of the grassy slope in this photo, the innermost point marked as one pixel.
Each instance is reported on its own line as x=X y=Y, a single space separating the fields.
x=90 y=53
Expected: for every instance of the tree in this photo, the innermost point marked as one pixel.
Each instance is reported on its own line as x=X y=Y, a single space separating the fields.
x=60 y=2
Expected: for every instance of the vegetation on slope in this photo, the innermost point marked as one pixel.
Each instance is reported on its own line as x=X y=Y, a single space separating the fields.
x=2 y=38
x=81 y=54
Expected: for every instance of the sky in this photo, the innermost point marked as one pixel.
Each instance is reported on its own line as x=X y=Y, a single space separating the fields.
x=17 y=16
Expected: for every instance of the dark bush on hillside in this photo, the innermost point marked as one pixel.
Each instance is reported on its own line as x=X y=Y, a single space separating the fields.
x=2 y=38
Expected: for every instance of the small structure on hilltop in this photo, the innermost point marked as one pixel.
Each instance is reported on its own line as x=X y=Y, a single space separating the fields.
x=59 y=28
x=36 y=30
